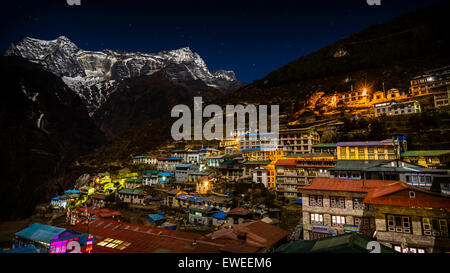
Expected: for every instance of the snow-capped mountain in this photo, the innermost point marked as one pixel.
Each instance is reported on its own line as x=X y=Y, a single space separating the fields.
x=91 y=74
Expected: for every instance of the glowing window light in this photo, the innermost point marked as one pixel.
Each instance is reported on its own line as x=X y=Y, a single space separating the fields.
x=111 y=243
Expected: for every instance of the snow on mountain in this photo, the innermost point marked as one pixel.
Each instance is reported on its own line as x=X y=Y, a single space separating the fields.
x=92 y=74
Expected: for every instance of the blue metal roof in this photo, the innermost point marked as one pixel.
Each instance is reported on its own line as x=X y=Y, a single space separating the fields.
x=40 y=233
x=183 y=165
x=175 y=158
x=72 y=192
x=191 y=198
x=165 y=174
x=220 y=215
x=155 y=217
x=251 y=149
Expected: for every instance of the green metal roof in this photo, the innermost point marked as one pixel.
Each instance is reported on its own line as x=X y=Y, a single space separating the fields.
x=345 y=243
x=152 y=172
x=427 y=153
x=325 y=145
x=131 y=180
x=256 y=162
x=130 y=191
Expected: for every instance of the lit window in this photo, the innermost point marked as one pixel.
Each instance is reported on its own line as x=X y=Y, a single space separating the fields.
x=111 y=243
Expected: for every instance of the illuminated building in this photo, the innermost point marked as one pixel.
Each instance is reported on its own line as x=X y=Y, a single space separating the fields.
x=386 y=170
x=410 y=219
x=324 y=148
x=250 y=166
x=131 y=183
x=260 y=176
x=441 y=95
x=259 y=154
x=47 y=239
x=368 y=150
x=394 y=108
x=297 y=170
x=423 y=84
x=298 y=141
x=429 y=159
x=165 y=178
x=132 y=196
x=334 y=206
x=214 y=161
x=145 y=159
x=150 y=177
x=168 y=164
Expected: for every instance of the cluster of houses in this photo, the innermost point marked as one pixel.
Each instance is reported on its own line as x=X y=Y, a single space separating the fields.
x=434 y=84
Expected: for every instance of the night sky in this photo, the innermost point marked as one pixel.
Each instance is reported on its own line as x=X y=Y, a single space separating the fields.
x=251 y=38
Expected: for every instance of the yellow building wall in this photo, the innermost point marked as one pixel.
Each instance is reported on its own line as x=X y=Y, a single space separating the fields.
x=362 y=153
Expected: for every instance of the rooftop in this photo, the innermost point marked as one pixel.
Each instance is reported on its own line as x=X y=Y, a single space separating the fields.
x=367 y=143
x=350 y=185
x=427 y=153
x=384 y=195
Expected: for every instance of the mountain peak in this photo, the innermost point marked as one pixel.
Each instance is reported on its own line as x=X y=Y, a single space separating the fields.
x=92 y=74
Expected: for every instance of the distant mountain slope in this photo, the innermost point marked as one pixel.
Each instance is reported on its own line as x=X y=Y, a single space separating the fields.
x=392 y=53
x=91 y=74
x=44 y=129
x=144 y=98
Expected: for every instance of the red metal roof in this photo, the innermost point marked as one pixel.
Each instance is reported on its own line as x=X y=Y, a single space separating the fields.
x=339 y=184
x=383 y=196
x=146 y=239
x=286 y=162
x=238 y=211
x=258 y=237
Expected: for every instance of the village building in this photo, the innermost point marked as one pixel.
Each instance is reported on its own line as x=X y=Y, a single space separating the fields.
x=214 y=161
x=219 y=202
x=441 y=95
x=170 y=200
x=428 y=159
x=386 y=170
x=251 y=237
x=60 y=202
x=47 y=239
x=260 y=154
x=131 y=196
x=300 y=169
x=238 y=215
x=249 y=167
x=410 y=219
x=423 y=84
x=203 y=186
x=298 y=141
x=368 y=150
x=99 y=200
x=167 y=164
x=187 y=201
x=165 y=178
x=182 y=172
x=394 y=108
x=261 y=176
x=201 y=215
x=150 y=177
x=131 y=183
x=145 y=159
x=324 y=148
x=334 y=206
x=231 y=169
